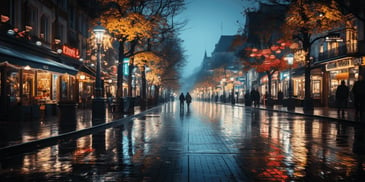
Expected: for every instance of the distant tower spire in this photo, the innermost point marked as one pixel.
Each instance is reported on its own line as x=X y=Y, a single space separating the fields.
x=205 y=54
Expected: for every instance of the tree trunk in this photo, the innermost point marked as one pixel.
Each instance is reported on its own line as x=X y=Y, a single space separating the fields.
x=130 y=72
x=149 y=91
x=119 y=95
x=120 y=70
x=308 y=101
x=157 y=93
x=307 y=77
x=144 y=86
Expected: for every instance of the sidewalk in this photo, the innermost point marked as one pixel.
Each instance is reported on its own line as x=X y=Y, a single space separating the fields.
x=321 y=112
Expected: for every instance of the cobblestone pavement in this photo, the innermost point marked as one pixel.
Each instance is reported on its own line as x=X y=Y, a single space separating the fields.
x=208 y=142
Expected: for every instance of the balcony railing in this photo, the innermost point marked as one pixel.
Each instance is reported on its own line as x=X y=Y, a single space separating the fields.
x=339 y=52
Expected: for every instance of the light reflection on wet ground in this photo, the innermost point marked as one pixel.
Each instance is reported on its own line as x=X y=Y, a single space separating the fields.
x=208 y=142
x=15 y=132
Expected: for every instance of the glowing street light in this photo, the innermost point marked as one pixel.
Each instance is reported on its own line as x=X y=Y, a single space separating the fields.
x=99 y=103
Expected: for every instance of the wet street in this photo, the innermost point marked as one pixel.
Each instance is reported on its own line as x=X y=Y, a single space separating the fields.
x=208 y=142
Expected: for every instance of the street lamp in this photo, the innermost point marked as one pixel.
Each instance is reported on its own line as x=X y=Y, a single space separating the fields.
x=290 y=104
x=99 y=104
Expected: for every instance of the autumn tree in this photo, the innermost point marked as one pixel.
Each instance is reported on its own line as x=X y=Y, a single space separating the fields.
x=306 y=21
x=173 y=53
x=261 y=49
x=145 y=60
x=164 y=62
x=269 y=60
x=137 y=24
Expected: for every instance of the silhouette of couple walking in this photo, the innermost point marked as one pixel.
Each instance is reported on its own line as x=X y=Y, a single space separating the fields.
x=186 y=98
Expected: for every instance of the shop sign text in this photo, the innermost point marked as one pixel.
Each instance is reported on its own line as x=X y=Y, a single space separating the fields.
x=70 y=51
x=347 y=63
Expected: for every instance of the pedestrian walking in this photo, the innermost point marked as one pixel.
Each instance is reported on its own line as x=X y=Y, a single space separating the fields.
x=188 y=99
x=342 y=94
x=255 y=96
x=248 y=100
x=358 y=92
x=182 y=99
x=280 y=97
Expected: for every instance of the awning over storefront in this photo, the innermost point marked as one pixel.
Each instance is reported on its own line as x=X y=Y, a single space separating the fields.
x=87 y=70
x=23 y=59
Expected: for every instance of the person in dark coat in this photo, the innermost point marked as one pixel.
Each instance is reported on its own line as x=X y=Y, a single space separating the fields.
x=280 y=97
x=342 y=94
x=255 y=96
x=182 y=99
x=248 y=100
x=188 y=99
x=358 y=92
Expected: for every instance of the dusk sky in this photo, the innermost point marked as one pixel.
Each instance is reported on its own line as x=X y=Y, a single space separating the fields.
x=207 y=21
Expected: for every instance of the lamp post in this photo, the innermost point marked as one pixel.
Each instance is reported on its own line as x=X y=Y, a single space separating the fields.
x=290 y=104
x=99 y=103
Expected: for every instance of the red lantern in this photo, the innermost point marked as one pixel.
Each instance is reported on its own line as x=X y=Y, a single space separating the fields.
x=274 y=47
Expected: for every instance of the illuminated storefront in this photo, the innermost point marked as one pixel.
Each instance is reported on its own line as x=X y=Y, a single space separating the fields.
x=30 y=82
x=274 y=85
x=298 y=82
x=346 y=69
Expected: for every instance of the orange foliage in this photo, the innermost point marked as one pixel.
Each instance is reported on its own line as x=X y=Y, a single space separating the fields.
x=313 y=17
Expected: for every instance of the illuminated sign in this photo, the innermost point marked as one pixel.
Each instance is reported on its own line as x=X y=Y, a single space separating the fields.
x=126 y=66
x=69 y=51
x=346 y=63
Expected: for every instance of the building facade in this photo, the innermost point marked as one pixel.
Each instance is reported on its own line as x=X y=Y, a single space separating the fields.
x=42 y=55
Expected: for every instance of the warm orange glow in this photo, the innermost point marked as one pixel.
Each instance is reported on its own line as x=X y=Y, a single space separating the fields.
x=342 y=76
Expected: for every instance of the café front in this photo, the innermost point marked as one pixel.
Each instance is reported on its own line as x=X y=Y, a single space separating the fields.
x=344 y=69
x=31 y=84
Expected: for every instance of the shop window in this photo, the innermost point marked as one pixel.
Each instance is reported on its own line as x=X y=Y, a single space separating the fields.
x=351 y=37
x=67 y=86
x=55 y=85
x=43 y=86
x=13 y=90
x=316 y=88
x=31 y=17
x=273 y=90
x=44 y=29
x=28 y=87
x=72 y=87
x=64 y=87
